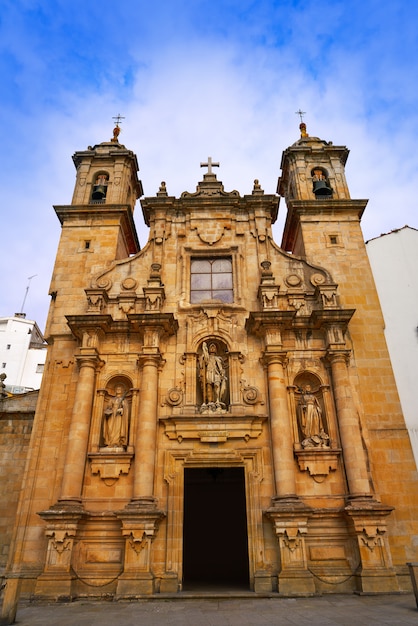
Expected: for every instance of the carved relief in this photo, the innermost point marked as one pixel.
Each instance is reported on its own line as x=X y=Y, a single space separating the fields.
x=250 y=394
x=129 y=283
x=95 y=302
x=154 y=291
x=298 y=303
x=293 y=280
x=174 y=396
x=317 y=279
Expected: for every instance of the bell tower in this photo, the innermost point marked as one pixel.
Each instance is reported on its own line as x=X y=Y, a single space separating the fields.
x=97 y=227
x=314 y=185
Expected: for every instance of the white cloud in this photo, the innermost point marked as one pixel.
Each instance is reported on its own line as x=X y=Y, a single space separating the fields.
x=197 y=92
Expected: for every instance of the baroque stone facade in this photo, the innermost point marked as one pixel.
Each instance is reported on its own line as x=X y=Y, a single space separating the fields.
x=215 y=408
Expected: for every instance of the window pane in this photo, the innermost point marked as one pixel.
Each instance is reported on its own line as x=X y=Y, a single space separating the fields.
x=199 y=296
x=222 y=265
x=201 y=281
x=222 y=281
x=225 y=296
x=201 y=267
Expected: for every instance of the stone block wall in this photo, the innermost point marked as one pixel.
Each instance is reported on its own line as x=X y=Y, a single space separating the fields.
x=16 y=420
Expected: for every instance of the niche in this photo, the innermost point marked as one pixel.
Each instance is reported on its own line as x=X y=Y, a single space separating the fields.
x=212 y=377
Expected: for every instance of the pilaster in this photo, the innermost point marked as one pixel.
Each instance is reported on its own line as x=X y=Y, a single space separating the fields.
x=369 y=526
x=139 y=528
x=290 y=522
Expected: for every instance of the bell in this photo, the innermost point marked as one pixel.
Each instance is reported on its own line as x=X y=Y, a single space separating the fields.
x=320 y=188
x=99 y=192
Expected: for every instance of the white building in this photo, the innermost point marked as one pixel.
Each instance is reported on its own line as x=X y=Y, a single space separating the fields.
x=394 y=261
x=22 y=353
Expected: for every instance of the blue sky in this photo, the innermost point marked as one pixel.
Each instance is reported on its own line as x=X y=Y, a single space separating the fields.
x=195 y=78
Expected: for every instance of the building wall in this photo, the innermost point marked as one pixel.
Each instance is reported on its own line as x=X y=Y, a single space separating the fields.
x=22 y=353
x=16 y=420
x=394 y=261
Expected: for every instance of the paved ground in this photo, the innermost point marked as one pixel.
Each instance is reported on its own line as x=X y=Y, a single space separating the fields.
x=335 y=610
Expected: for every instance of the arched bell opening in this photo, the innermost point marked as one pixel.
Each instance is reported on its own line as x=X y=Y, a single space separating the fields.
x=100 y=185
x=320 y=181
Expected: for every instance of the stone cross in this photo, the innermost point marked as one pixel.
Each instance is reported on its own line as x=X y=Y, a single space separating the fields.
x=209 y=165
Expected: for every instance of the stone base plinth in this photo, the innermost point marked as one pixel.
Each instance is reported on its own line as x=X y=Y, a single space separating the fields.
x=54 y=586
x=263 y=582
x=142 y=584
x=169 y=583
x=375 y=582
x=297 y=583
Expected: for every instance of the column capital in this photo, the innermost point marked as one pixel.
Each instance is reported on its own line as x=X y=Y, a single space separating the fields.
x=153 y=359
x=335 y=356
x=270 y=357
x=88 y=357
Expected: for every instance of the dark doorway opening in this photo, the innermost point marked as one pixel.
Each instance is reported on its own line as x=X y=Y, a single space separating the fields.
x=215 y=540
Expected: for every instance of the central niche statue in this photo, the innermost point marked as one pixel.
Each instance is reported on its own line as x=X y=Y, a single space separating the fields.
x=213 y=379
x=116 y=419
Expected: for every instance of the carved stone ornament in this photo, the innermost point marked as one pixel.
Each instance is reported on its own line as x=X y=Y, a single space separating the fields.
x=129 y=283
x=211 y=237
x=110 y=464
x=104 y=283
x=293 y=280
x=250 y=395
x=317 y=279
x=319 y=463
x=174 y=396
x=217 y=430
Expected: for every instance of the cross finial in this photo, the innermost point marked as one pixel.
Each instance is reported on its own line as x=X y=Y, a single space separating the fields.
x=302 y=124
x=209 y=165
x=118 y=118
x=301 y=114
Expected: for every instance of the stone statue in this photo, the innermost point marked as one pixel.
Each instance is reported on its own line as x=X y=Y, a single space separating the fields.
x=116 y=418
x=212 y=375
x=3 y=393
x=310 y=420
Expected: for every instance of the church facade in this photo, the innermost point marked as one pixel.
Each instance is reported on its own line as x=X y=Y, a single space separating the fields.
x=215 y=409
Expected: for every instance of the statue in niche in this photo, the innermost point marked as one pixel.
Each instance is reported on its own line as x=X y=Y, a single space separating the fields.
x=310 y=420
x=213 y=379
x=116 y=419
x=3 y=393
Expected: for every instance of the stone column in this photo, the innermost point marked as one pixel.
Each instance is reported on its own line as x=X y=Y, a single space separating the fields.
x=353 y=452
x=367 y=517
x=281 y=426
x=145 y=441
x=75 y=457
